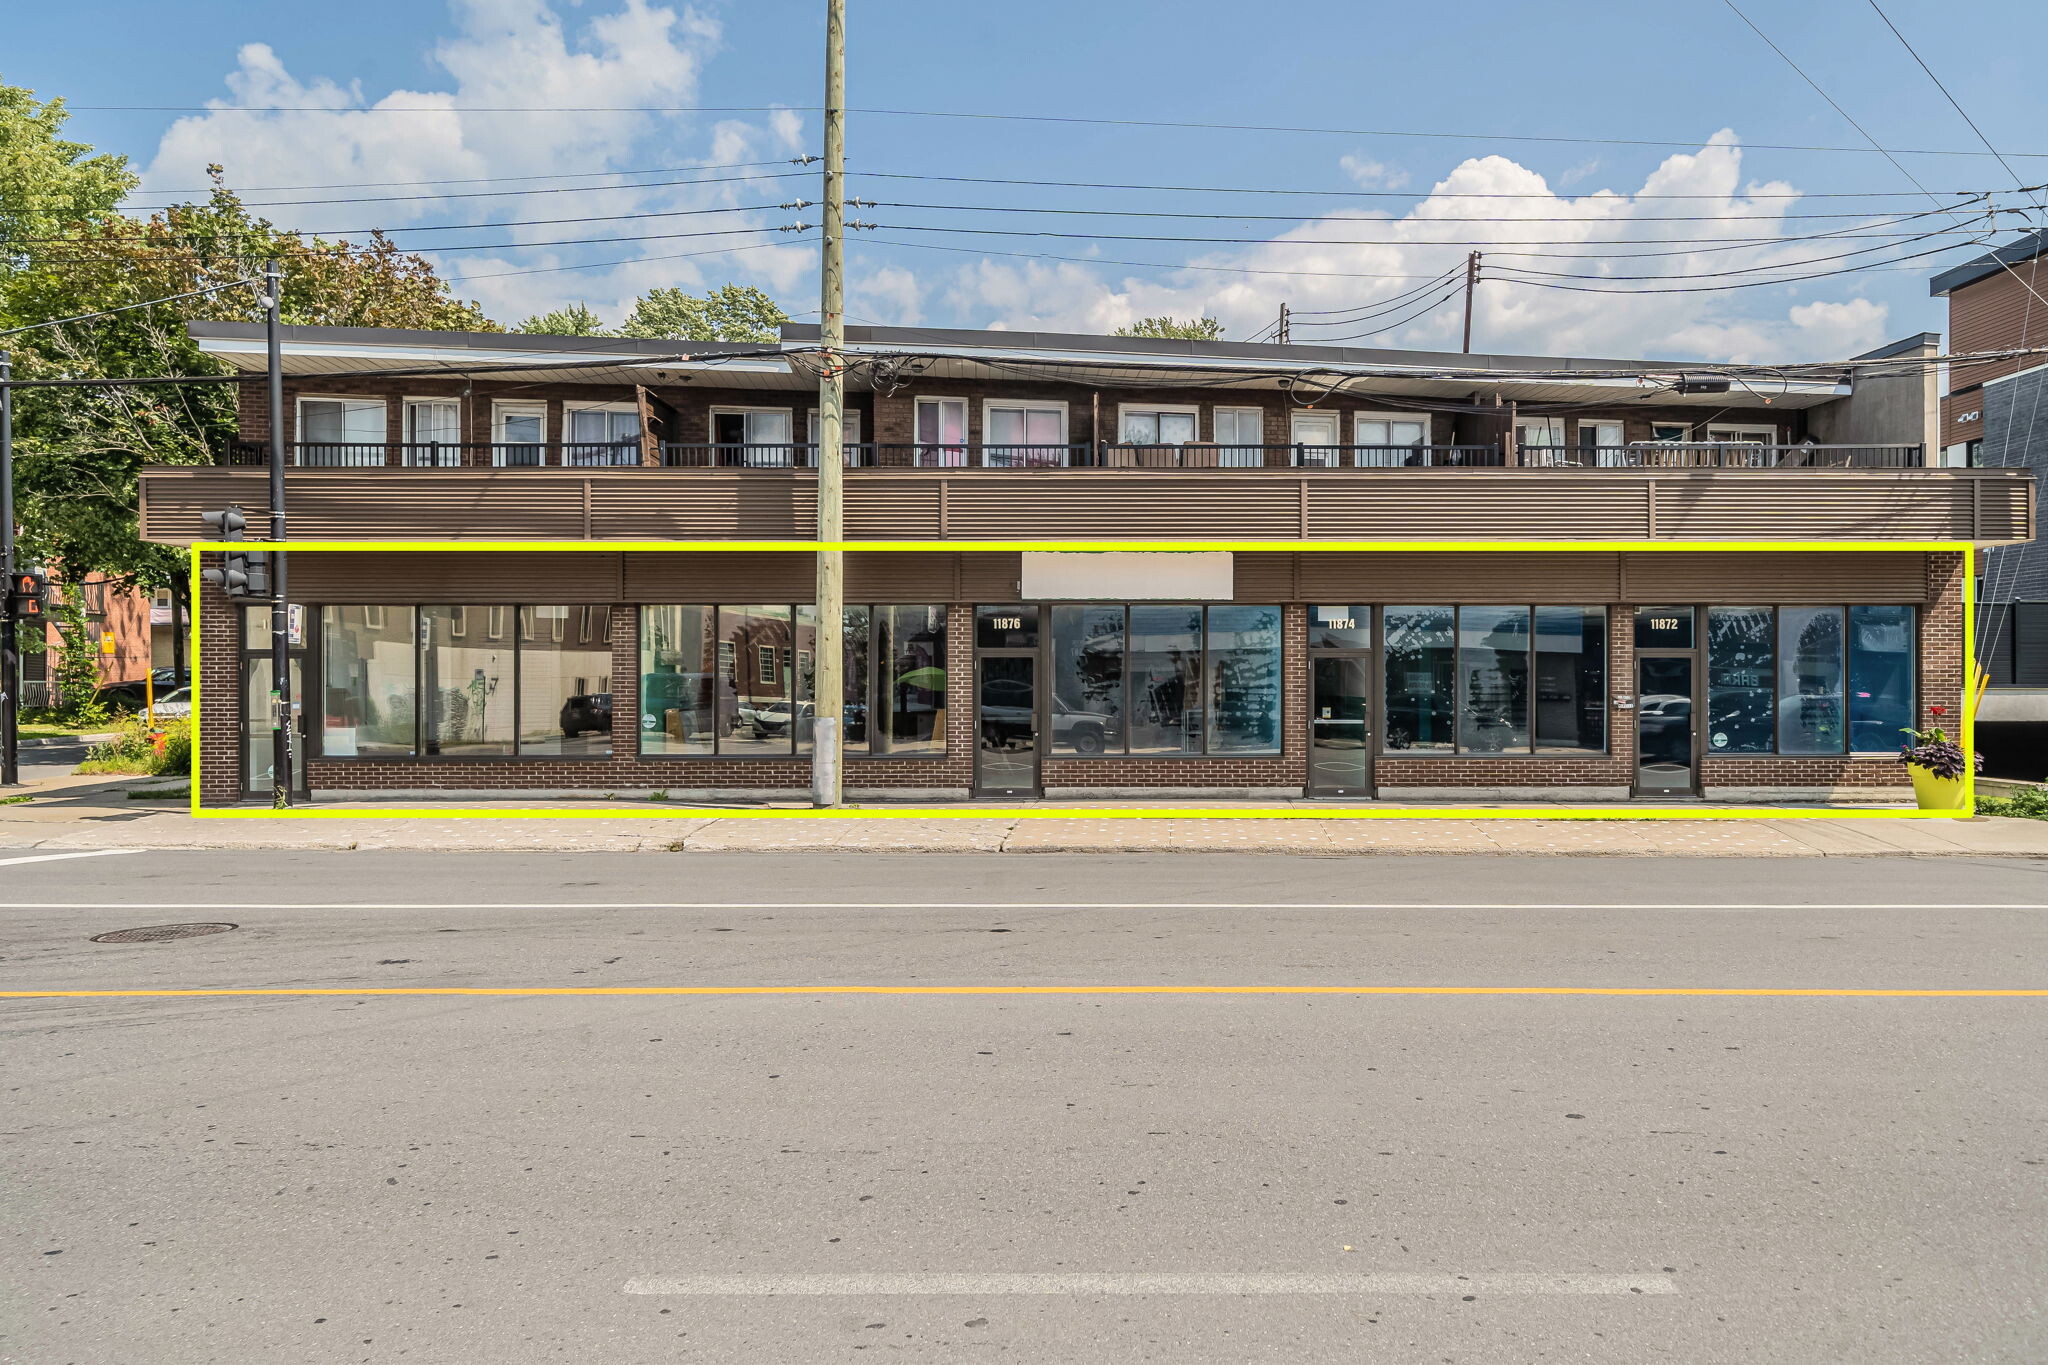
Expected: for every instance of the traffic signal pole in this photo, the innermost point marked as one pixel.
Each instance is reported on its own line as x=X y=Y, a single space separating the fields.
x=282 y=729
x=828 y=691
x=10 y=645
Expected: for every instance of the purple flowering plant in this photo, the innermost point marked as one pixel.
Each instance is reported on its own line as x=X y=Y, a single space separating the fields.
x=1933 y=750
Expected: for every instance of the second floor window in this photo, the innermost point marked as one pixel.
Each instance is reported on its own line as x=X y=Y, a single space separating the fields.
x=520 y=433
x=1021 y=435
x=1158 y=426
x=430 y=424
x=754 y=438
x=602 y=436
x=341 y=431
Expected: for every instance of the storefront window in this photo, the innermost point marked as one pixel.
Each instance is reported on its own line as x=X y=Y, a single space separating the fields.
x=1493 y=673
x=367 y=690
x=565 y=682
x=855 y=728
x=910 y=663
x=1087 y=680
x=1166 y=680
x=755 y=703
x=677 y=680
x=1571 y=680
x=1420 y=677
x=466 y=681
x=1741 y=674
x=1810 y=680
x=1880 y=677
x=1244 y=680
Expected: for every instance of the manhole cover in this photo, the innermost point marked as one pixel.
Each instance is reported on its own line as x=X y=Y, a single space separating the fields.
x=161 y=933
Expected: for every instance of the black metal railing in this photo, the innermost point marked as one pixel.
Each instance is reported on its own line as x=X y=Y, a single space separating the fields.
x=1073 y=455
x=1722 y=455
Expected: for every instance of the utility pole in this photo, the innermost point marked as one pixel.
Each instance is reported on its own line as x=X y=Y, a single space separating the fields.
x=281 y=727
x=1281 y=334
x=828 y=690
x=10 y=647
x=1471 y=282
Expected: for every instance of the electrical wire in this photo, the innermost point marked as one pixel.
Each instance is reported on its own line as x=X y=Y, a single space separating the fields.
x=1007 y=118
x=482 y=194
x=635 y=260
x=1301 y=217
x=115 y=249
x=506 y=179
x=1368 y=194
x=1736 y=284
x=483 y=227
x=1423 y=311
x=130 y=307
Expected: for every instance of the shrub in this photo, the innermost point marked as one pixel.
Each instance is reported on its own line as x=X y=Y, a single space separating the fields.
x=2030 y=803
x=134 y=749
x=1935 y=751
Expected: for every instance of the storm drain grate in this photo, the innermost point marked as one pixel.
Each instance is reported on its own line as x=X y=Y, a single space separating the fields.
x=161 y=933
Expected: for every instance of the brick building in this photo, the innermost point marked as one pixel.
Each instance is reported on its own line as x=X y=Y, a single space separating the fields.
x=1991 y=418
x=1592 y=644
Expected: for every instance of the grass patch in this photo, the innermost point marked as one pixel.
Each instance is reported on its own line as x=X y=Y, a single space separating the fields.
x=134 y=750
x=2029 y=804
x=162 y=794
x=40 y=729
x=21 y=800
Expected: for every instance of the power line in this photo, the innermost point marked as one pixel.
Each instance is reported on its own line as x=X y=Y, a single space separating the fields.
x=1946 y=95
x=1369 y=194
x=497 y=246
x=1424 y=310
x=129 y=307
x=479 y=194
x=479 y=227
x=1148 y=265
x=502 y=179
x=1298 y=217
x=605 y=265
x=1738 y=284
x=1011 y=118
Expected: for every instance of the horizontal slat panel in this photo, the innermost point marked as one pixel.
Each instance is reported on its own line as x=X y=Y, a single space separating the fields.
x=1107 y=504
x=1806 y=576
x=432 y=576
x=1460 y=578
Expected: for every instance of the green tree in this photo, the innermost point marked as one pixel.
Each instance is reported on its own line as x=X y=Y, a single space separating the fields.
x=731 y=312
x=1191 y=329
x=66 y=251
x=574 y=321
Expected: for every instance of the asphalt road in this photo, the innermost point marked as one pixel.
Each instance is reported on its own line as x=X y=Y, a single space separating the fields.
x=1155 y=1175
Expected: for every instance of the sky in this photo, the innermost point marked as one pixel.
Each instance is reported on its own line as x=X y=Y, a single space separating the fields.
x=1416 y=133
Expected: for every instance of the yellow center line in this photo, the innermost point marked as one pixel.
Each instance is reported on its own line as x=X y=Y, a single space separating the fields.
x=1879 y=992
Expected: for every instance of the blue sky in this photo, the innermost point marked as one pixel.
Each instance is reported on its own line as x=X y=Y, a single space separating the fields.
x=1502 y=76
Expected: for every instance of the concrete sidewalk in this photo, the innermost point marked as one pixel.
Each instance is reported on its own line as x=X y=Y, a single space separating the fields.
x=92 y=813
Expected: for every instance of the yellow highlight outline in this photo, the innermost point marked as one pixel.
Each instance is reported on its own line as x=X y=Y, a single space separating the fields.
x=1967 y=732
x=1823 y=991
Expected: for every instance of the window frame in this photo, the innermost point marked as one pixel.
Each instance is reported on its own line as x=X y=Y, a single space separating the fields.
x=314 y=666
x=1848 y=751
x=1391 y=417
x=793 y=694
x=501 y=408
x=1125 y=410
x=1534 y=750
x=990 y=406
x=299 y=441
x=1205 y=681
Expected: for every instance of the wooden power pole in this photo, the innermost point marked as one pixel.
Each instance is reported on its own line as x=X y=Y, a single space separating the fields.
x=1281 y=334
x=1471 y=283
x=828 y=692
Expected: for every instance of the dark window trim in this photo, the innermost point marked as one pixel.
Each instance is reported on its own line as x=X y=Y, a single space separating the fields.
x=1456 y=753
x=1847 y=750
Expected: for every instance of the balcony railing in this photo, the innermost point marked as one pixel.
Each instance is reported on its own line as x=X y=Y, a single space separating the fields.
x=1077 y=455
x=1722 y=455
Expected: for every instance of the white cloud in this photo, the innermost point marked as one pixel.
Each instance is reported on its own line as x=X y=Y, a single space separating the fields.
x=499 y=54
x=1373 y=175
x=1597 y=234
x=890 y=295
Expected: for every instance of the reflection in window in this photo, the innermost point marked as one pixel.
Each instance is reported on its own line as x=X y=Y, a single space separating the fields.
x=910 y=661
x=466 y=681
x=1880 y=677
x=1341 y=627
x=1740 y=677
x=1493 y=668
x=1087 y=679
x=1244 y=680
x=1571 y=680
x=565 y=681
x=1420 y=677
x=677 y=680
x=1810 y=680
x=367 y=681
x=854 y=729
x=756 y=708
x=1166 y=680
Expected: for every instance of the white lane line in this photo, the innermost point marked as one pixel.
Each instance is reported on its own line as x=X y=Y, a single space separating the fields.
x=1148 y=1283
x=903 y=904
x=58 y=857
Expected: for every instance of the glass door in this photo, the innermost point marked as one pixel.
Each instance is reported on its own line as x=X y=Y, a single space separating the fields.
x=1314 y=436
x=1006 y=720
x=1665 y=747
x=1340 y=726
x=258 y=771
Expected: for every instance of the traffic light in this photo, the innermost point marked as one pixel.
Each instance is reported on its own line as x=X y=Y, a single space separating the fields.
x=28 y=593
x=243 y=573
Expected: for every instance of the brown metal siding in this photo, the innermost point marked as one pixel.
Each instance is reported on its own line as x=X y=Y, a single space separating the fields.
x=1787 y=578
x=1459 y=578
x=1991 y=506
x=1991 y=314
